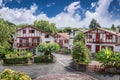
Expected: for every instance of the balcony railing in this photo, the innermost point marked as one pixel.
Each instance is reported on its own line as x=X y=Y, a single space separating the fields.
x=100 y=41
x=27 y=44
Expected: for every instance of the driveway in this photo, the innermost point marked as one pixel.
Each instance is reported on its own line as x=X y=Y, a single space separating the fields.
x=60 y=70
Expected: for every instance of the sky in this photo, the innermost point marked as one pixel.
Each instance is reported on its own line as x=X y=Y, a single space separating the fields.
x=74 y=13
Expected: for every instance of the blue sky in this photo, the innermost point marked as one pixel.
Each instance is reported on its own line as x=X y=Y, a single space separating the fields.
x=74 y=13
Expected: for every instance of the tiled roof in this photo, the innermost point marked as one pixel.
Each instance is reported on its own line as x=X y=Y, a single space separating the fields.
x=109 y=31
x=64 y=35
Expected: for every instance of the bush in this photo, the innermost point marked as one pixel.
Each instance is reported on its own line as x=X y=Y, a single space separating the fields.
x=22 y=60
x=9 y=74
x=109 y=58
x=48 y=48
x=43 y=59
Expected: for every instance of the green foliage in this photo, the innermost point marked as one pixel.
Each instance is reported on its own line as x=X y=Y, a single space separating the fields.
x=80 y=53
x=18 y=54
x=94 y=24
x=4 y=49
x=109 y=58
x=6 y=30
x=9 y=74
x=48 y=48
x=22 y=60
x=43 y=59
x=80 y=37
x=46 y=26
x=113 y=27
x=67 y=29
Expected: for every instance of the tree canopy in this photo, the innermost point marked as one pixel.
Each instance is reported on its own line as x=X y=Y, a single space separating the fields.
x=46 y=26
x=113 y=27
x=94 y=24
x=6 y=31
x=80 y=37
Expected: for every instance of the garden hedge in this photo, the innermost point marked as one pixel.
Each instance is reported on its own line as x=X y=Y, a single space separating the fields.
x=23 y=60
x=43 y=59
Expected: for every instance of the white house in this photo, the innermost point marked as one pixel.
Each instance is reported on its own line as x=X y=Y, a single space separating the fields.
x=28 y=38
x=99 y=38
x=62 y=39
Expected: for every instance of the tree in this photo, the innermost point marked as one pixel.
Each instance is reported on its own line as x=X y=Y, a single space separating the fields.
x=80 y=53
x=5 y=31
x=67 y=29
x=80 y=37
x=48 y=48
x=46 y=26
x=94 y=24
x=113 y=27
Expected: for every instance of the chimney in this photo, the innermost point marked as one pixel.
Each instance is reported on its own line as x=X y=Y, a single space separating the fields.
x=117 y=30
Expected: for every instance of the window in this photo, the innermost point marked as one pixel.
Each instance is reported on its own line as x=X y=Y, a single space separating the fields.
x=35 y=40
x=88 y=36
x=31 y=31
x=23 y=42
x=65 y=41
x=24 y=31
x=46 y=36
x=108 y=36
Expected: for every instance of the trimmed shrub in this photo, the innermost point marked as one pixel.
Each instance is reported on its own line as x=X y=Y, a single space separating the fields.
x=22 y=60
x=43 y=59
x=9 y=74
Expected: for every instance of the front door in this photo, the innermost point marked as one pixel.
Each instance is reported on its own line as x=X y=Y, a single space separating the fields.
x=97 y=37
x=97 y=48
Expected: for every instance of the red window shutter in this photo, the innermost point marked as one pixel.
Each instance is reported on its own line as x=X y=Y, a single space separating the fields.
x=20 y=42
x=24 y=31
x=30 y=31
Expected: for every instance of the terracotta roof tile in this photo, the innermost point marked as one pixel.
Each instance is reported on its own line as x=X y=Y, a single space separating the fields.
x=64 y=35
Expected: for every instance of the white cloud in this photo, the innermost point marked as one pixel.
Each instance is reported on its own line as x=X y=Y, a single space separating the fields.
x=69 y=17
x=49 y=5
x=72 y=7
x=93 y=4
x=1 y=3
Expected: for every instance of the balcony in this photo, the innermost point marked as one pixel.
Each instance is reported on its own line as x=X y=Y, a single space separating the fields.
x=100 y=41
x=27 y=44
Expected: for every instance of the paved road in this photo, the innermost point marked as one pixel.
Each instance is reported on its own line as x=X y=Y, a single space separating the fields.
x=60 y=70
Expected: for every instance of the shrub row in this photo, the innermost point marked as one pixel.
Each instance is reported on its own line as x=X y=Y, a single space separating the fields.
x=43 y=59
x=22 y=60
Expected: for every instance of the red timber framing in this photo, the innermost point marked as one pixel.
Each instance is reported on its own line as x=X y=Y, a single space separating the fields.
x=33 y=28
x=101 y=36
x=24 y=42
x=97 y=48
